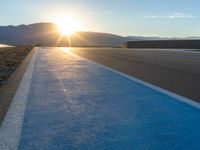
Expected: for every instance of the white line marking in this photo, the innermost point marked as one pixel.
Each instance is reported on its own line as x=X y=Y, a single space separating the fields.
x=161 y=90
x=10 y=130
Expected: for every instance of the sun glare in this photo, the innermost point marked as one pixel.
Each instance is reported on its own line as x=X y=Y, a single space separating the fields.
x=68 y=25
x=66 y=50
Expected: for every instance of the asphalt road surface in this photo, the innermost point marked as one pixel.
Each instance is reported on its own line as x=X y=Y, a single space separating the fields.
x=175 y=70
x=67 y=102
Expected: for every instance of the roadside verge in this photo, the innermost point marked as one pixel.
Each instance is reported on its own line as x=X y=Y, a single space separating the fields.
x=8 y=90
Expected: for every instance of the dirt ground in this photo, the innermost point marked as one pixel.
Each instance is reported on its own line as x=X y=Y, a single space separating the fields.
x=13 y=63
x=10 y=58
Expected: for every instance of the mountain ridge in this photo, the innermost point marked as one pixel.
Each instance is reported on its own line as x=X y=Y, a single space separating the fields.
x=46 y=33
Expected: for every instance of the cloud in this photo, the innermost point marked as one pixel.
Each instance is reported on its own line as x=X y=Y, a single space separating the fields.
x=92 y=13
x=176 y=15
x=109 y=12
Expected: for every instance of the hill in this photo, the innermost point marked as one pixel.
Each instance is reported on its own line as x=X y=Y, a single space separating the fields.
x=47 y=35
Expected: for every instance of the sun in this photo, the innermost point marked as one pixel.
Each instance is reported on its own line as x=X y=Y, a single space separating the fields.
x=68 y=25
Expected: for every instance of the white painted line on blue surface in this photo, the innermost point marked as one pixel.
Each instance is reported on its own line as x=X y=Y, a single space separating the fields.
x=166 y=92
x=10 y=130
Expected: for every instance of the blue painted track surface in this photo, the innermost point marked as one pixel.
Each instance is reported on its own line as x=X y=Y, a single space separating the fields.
x=76 y=104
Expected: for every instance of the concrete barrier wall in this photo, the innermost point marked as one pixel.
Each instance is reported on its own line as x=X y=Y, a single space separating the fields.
x=192 y=44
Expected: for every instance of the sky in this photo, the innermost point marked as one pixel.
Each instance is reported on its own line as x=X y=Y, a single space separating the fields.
x=164 y=18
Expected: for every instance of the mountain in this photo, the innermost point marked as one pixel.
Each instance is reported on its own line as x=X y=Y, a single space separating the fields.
x=47 y=35
x=27 y=34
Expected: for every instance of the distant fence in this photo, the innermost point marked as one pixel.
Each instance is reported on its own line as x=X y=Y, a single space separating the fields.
x=179 y=44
